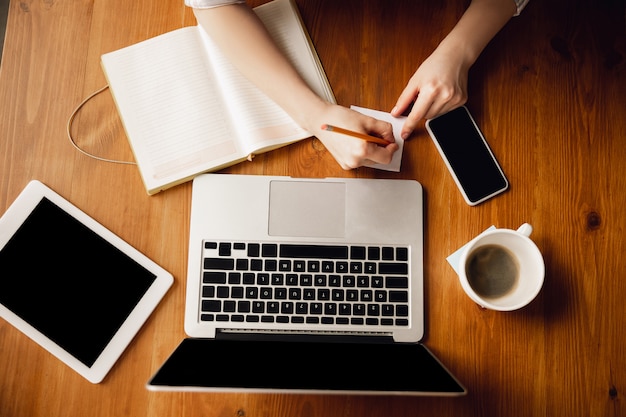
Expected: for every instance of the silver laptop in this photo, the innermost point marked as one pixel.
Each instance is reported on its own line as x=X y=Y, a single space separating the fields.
x=316 y=279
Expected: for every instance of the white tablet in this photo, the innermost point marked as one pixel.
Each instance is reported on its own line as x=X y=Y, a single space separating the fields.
x=70 y=284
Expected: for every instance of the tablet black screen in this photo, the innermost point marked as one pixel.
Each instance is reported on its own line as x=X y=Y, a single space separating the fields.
x=68 y=282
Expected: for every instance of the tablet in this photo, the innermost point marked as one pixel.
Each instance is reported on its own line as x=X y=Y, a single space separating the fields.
x=71 y=285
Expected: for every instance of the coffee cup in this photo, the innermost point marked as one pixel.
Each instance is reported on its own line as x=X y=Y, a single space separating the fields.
x=502 y=269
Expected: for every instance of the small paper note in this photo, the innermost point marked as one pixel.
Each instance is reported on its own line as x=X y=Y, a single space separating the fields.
x=397 y=123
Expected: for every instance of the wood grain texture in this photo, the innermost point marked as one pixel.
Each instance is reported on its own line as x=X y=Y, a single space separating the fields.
x=549 y=93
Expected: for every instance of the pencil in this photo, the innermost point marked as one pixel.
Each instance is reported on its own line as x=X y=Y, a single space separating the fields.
x=354 y=134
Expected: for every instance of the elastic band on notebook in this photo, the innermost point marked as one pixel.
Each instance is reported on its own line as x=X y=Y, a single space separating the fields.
x=73 y=142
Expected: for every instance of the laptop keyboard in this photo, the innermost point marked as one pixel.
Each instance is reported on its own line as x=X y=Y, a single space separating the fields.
x=363 y=287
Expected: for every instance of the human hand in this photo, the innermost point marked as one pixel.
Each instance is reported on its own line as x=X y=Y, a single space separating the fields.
x=348 y=151
x=438 y=86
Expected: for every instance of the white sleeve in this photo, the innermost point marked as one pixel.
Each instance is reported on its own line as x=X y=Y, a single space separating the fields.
x=520 y=4
x=207 y=4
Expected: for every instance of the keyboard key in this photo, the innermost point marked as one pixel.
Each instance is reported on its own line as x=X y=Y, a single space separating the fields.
x=269 y=250
x=345 y=309
x=323 y=294
x=330 y=309
x=316 y=308
x=214 y=278
x=397 y=282
x=284 y=265
x=242 y=264
x=398 y=296
x=208 y=291
x=363 y=281
x=302 y=308
x=286 y=307
x=373 y=253
x=320 y=280
x=211 y=306
x=278 y=279
x=402 y=310
x=349 y=281
x=254 y=250
x=295 y=293
x=224 y=249
x=338 y=295
x=234 y=278
x=387 y=254
x=357 y=252
x=393 y=268
x=223 y=264
x=271 y=265
x=373 y=310
x=341 y=267
x=306 y=280
x=313 y=266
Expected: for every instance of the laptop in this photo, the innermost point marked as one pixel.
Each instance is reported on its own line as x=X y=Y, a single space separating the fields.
x=305 y=285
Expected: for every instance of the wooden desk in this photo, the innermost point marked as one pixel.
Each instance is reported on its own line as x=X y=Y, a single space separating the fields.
x=550 y=95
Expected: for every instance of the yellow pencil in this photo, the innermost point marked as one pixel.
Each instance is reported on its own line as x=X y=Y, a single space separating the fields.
x=354 y=134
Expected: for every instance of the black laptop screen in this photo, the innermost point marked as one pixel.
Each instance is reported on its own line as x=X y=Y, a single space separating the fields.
x=305 y=366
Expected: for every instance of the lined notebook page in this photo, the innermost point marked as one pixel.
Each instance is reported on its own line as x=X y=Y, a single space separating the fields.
x=169 y=101
x=187 y=110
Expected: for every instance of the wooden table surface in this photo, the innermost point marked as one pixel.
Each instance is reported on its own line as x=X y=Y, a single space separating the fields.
x=550 y=95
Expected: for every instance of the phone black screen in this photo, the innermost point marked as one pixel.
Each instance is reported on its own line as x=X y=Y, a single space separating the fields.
x=468 y=155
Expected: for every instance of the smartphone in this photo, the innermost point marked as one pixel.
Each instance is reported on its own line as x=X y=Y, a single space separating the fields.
x=467 y=155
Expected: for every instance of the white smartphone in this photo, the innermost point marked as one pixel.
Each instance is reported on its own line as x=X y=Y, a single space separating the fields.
x=467 y=155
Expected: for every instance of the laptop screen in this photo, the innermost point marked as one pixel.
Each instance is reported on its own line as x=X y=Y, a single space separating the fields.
x=304 y=366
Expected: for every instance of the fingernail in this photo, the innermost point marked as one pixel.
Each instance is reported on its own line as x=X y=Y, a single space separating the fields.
x=405 y=135
x=394 y=110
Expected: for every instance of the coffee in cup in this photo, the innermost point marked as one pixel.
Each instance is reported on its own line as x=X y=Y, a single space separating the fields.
x=502 y=269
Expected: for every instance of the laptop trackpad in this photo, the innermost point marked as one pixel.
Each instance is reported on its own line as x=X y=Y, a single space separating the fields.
x=307 y=209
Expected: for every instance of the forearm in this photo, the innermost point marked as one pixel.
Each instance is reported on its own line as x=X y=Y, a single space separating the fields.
x=247 y=44
x=479 y=24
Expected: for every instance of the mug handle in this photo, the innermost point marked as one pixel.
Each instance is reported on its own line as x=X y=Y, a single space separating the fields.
x=525 y=229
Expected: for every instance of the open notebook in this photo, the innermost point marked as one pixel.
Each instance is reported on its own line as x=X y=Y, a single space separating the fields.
x=187 y=110
x=316 y=282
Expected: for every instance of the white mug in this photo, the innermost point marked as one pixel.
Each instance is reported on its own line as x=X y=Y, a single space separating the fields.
x=502 y=269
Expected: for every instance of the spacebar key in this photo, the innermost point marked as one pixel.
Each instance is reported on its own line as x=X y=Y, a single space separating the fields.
x=313 y=251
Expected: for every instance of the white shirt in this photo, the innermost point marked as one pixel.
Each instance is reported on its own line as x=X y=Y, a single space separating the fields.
x=207 y=4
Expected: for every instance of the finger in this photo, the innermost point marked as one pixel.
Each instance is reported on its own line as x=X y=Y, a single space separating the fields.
x=381 y=155
x=406 y=99
x=381 y=129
